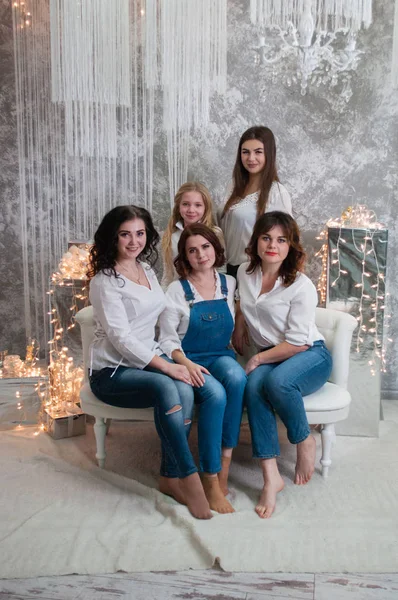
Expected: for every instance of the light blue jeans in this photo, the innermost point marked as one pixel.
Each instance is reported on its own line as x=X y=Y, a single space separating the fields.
x=220 y=402
x=143 y=388
x=278 y=388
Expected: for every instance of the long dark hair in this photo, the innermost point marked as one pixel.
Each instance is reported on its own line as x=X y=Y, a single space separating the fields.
x=181 y=261
x=103 y=253
x=294 y=262
x=268 y=175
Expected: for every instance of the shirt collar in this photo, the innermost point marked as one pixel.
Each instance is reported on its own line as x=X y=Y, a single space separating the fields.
x=259 y=274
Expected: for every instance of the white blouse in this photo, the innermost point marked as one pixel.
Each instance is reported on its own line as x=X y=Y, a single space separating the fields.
x=174 y=320
x=238 y=222
x=125 y=315
x=285 y=314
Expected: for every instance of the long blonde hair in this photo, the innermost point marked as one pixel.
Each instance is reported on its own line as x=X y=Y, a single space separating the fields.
x=207 y=219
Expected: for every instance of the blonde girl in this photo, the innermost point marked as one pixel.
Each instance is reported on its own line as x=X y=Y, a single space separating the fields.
x=192 y=204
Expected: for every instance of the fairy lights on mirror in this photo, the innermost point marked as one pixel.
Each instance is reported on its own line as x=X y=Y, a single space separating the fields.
x=58 y=386
x=357 y=232
x=65 y=379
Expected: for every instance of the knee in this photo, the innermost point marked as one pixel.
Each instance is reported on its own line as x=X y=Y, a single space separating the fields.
x=236 y=376
x=170 y=394
x=276 y=385
x=253 y=391
x=214 y=394
x=255 y=380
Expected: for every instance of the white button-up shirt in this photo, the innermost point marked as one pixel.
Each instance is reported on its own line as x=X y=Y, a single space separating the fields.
x=125 y=315
x=285 y=314
x=174 y=320
x=238 y=222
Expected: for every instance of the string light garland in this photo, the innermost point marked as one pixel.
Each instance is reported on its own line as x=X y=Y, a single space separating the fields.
x=58 y=386
x=64 y=382
x=357 y=226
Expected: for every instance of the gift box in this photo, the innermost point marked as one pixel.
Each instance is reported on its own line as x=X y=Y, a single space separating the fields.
x=62 y=424
x=20 y=403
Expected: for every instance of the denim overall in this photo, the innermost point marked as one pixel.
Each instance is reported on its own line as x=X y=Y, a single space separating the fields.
x=210 y=326
x=220 y=399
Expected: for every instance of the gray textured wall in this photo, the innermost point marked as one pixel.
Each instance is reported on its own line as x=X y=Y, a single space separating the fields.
x=328 y=158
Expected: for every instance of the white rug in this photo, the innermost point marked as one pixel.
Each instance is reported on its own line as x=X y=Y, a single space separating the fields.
x=60 y=513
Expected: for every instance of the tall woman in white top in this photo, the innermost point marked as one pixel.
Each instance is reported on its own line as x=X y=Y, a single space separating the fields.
x=256 y=189
x=192 y=204
x=277 y=302
x=127 y=366
x=195 y=331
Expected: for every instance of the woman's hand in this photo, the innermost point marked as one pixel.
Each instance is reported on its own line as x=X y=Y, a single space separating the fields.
x=240 y=336
x=252 y=364
x=179 y=372
x=195 y=372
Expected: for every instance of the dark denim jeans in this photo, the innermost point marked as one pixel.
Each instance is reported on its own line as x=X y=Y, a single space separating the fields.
x=279 y=388
x=143 y=388
x=220 y=403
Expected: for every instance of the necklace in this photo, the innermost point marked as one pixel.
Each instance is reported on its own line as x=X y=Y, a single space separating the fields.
x=135 y=278
x=205 y=287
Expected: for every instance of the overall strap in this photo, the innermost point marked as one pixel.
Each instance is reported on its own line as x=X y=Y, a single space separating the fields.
x=189 y=297
x=224 y=286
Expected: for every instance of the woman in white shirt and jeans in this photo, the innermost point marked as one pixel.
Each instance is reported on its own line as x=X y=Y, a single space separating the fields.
x=277 y=303
x=256 y=190
x=127 y=366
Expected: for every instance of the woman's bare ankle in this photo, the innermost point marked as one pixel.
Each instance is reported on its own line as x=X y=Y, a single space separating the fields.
x=195 y=497
x=273 y=484
x=215 y=494
x=171 y=486
x=224 y=473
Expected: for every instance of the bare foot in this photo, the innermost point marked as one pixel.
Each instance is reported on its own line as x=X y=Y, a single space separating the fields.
x=171 y=487
x=215 y=495
x=194 y=496
x=305 y=465
x=267 y=502
x=223 y=474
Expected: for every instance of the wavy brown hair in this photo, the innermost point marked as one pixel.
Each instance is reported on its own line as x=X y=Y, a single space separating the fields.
x=294 y=262
x=181 y=261
x=241 y=176
x=103 y=253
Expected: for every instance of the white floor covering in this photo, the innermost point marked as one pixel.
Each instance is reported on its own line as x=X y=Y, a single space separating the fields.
x=61 y=514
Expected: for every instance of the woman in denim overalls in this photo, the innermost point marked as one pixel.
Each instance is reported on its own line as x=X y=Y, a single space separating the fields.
x=195 y=331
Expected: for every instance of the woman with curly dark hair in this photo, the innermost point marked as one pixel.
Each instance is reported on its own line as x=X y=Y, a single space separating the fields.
x=195 y=331
x=128 y=369
x=277 y=303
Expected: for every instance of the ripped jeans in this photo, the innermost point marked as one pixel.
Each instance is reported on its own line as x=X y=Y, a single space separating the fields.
x=144 y=388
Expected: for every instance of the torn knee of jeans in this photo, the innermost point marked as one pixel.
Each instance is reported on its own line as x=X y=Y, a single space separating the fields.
x=187 y=422
x=175 y=409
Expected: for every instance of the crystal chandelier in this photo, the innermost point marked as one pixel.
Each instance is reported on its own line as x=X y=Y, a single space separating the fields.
x=310 y=42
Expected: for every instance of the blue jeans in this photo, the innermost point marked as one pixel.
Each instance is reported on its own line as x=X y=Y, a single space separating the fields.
x=220 y=403
x=143 y=388
x=279 y=388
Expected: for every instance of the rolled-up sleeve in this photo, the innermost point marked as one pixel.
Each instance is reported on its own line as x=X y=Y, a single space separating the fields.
x=301 y=317
x=169 y=322
x=111 y=313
